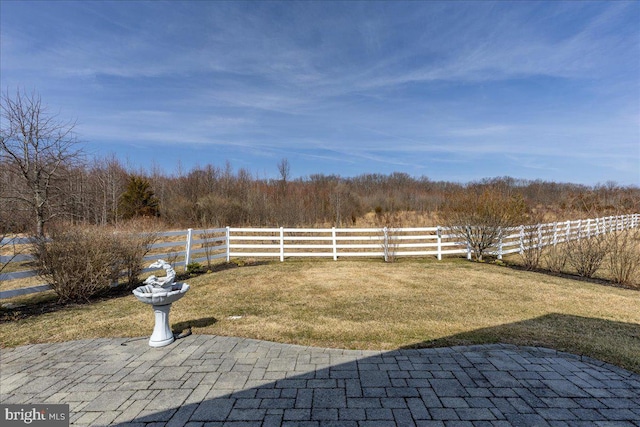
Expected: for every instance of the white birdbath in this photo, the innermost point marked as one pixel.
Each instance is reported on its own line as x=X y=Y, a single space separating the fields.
x=161 y=293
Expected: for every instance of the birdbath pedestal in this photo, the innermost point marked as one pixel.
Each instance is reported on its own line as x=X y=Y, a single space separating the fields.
x=160 y=293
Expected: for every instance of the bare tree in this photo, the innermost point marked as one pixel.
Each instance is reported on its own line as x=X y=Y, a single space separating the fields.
x=107 y=179
x=283 y=168
x=40 y=147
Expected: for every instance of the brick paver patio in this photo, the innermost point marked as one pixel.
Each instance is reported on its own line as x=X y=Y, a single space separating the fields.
x=205 y=380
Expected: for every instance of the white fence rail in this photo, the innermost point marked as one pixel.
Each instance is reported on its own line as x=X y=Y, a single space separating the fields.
x=208 y=245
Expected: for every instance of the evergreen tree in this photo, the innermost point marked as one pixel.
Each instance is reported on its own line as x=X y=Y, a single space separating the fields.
x=139 y=199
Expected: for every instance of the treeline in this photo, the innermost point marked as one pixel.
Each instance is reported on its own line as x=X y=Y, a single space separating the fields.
x=106 y=192
x=44 y=178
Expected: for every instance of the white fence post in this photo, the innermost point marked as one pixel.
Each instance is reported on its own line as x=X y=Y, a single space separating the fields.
x=555 y=233
x=281 y=244
x=228 y=243
x=579 y=229
x=521 y=239
x=439 y=233
x=468 y=244
x=500 y=245
x=541 y=243
x=385 y=246
x=187 y=250
x=335 y=243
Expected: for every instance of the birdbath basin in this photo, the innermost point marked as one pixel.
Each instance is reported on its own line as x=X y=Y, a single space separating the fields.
x=160 y=293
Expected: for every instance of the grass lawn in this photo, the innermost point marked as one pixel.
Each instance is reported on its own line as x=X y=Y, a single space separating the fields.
x=369 y=305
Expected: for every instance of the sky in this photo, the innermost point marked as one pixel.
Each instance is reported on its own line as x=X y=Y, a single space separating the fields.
x=455 y=91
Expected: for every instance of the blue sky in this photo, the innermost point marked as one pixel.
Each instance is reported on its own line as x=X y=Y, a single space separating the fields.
x=453 y=91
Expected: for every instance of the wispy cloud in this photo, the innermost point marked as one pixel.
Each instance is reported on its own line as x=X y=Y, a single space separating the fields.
x=365 y=85
x=488 y=130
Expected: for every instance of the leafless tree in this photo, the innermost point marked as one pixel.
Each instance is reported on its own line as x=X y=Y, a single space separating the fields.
x=39 y=147
x=107 y=181
x=283 y=168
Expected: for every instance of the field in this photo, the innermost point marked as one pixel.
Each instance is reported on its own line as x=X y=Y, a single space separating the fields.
x=367 y=305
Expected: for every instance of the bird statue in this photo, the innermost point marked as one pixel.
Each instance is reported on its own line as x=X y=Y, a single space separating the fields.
x=161 y=282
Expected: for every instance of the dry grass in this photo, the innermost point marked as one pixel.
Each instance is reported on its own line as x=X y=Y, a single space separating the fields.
x=373 y=305
x=20 y=283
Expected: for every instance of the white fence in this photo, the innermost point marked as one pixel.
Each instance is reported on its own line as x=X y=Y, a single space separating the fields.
x=281 y=243
x=208 y=245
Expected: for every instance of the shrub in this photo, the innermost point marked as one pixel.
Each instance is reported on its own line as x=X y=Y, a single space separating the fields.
x=78 y=262
x=480 y=217
x=390 y=222
x=210 y=241
x=390 y=244
x=586 y=254
x=533 y=245
x=134 y=239
x=623 y=256
x=555 y=257
x=194 y=267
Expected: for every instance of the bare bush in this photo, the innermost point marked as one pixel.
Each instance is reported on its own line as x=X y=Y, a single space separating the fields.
x=390 y=244
x=83 y=261
x=586 y=254
x=623 y=256
x=134 y=239
x=555 y=258
x=209 y=243
x=390 y=223
x=533 y=243
x=479 y=217
x=78 y=262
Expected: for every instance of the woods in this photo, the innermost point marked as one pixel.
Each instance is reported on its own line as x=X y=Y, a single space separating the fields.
x=105 y=192
x=44 y=177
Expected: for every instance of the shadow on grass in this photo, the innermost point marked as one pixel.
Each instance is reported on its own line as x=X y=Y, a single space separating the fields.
x=611 y=341
x=214 y=268
x=197 y=323
x=414 y=385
